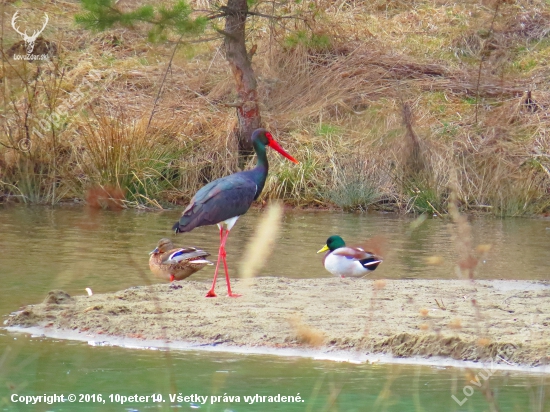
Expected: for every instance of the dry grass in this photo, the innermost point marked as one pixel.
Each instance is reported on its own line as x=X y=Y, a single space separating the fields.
x=305 y=334
x=380 y=102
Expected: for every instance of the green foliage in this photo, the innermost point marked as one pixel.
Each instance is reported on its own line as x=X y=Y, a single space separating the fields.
x=152 y=174
x=525 y=65
x=326 y=129
x=33 y=180
x=425 y=199
x=177 y=18
x=311 y=41
x=353 y=195
x=103 y=14
x=296 y=183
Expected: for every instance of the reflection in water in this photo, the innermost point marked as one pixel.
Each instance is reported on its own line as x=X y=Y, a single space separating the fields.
x=71 y=248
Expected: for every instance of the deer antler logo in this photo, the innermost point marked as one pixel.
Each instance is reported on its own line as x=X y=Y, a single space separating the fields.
x=29 y=40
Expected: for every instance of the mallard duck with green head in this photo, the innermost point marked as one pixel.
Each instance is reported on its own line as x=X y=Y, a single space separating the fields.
x=172 y=263
x=346 y=261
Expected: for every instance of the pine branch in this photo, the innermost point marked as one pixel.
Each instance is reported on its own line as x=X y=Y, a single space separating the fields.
x=103 y=14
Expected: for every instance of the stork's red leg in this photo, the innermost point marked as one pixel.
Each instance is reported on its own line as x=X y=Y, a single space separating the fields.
x=229 y=293
x=221 y=251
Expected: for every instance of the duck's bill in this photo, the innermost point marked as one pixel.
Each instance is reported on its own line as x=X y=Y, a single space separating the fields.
x=324 y=249
x=273 y=144
x=156 y=250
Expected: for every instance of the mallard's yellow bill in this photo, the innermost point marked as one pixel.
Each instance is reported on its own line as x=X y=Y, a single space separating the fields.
x=324 y=249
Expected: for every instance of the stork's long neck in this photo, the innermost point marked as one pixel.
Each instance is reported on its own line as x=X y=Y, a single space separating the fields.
x=259 y=173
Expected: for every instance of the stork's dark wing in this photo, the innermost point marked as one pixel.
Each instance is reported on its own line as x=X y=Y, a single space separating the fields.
x=219 y=200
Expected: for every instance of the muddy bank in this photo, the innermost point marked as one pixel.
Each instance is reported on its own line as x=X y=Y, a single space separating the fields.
x=507 y=321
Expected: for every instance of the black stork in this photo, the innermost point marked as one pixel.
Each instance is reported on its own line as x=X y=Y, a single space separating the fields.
x=224 y=200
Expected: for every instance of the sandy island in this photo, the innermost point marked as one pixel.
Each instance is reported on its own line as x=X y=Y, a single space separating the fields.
x=503 y=321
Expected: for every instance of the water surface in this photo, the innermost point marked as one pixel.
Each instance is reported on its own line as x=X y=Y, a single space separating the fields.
x=72 y=248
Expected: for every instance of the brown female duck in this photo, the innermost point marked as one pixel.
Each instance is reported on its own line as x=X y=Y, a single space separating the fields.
x=171 y=263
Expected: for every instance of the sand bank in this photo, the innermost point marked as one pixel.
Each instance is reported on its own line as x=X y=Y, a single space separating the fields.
x=506 y=322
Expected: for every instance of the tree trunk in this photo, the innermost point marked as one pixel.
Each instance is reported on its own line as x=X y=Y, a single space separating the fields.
x=248 y=111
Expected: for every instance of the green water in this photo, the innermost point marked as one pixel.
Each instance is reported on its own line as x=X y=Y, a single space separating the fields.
x=71 y=249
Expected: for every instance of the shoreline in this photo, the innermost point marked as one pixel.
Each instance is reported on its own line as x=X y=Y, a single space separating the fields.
x=352 y=320
x=315 y=354
x=5 y=200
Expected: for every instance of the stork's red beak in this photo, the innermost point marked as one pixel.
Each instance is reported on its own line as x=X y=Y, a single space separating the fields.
x=273 y=144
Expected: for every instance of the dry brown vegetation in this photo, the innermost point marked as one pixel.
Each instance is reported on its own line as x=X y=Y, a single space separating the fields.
x=382 y=103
